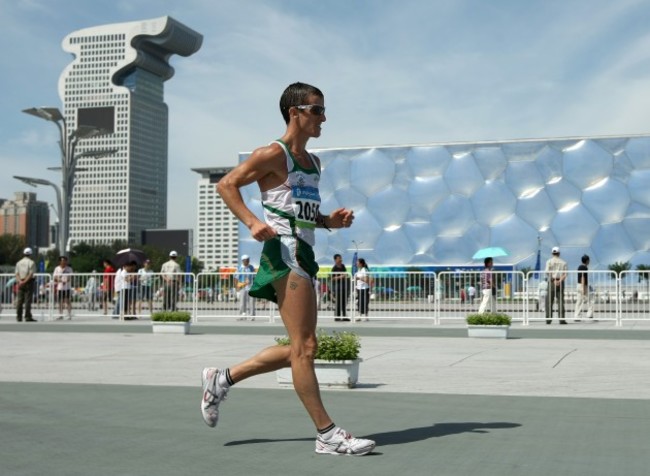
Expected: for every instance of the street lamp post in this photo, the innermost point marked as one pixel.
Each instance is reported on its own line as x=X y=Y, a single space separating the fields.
x=67 y=144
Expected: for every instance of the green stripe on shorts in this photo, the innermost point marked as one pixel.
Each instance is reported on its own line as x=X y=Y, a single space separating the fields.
x=272 y=267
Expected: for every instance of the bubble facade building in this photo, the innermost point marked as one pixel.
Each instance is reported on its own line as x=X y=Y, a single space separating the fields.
x=436 y=204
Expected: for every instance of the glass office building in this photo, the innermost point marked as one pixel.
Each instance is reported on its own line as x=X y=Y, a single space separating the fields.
x=116 y=82
x=437 y=204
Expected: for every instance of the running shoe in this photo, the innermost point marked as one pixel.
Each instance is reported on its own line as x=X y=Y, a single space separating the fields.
x=343 y=443
x=213 y=395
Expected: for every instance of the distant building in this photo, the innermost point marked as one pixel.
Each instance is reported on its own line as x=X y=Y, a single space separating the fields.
x=27 y=217
x=217 y=228
x=437 y=204
x=116 y=82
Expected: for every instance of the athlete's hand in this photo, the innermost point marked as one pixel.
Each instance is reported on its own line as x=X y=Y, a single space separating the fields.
x=340 y=218
x=262 y=232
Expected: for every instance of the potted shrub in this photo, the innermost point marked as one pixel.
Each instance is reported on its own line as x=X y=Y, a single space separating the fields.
x=171 y=322
x=488 y=324
x=337 y=360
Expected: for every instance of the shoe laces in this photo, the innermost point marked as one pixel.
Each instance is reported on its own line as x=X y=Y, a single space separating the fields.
x=214 y=397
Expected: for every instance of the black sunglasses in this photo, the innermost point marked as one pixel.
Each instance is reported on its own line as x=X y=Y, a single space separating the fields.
x=315 y=109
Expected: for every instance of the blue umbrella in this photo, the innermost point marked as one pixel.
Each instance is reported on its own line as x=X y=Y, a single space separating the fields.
x=492 y=252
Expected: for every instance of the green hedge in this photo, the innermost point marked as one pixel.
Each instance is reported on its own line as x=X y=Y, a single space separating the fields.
x=489 y=319
x=171 y=316
x=335 y=346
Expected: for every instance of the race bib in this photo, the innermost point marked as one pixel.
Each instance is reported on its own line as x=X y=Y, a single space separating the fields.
x=306 y=205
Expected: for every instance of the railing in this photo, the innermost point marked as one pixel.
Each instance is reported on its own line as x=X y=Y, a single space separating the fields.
x=421 y=296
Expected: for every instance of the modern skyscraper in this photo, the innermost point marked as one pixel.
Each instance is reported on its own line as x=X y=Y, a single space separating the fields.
x=217 y=228
x=116 y=82
x=25 y=216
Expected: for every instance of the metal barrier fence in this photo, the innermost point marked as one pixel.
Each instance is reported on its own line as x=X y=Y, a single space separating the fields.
x=443 y=297
x=570 y=300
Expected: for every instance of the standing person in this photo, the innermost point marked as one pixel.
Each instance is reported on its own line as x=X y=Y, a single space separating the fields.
x=583 y=290
x=488 y=288
x=556 y=271
x=62 y=278
x=25 y=270
x=171 y=275
x=145 y=283
x=362 y=283
x=244 y=280
x=340 y=285
x=90 y=290
x=471 y=293
x=542 y=293
x=288 y=177
x=130 y=290
x=108 y=284
x=120 y=285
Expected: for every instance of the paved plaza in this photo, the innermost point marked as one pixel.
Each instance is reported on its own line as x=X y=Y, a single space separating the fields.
x=100 y=397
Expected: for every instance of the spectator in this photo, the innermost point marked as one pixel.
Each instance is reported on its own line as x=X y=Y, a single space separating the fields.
x=171 y=275
x=25 y=270
x=90 y=291
x=145 y=283
x=340 y=288
x=583 y=300
x=62 y=280
x=488 y=288
x=363 y=282
x=119 y=286
x=542 y=294
x=108 y=284
x=244 y=280
x=471 y=293
x=556 y=270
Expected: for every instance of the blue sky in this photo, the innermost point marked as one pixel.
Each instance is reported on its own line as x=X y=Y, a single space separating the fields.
x=393 y=72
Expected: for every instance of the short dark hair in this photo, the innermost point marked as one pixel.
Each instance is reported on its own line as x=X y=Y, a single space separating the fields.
x=337 y=256
x=295 y=95
x=584 y=259
x=487 y=260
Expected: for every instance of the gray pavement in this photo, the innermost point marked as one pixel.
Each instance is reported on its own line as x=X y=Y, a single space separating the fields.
x=101 y=397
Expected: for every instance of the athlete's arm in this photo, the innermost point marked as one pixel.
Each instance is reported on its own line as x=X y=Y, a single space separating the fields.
x=265 y=166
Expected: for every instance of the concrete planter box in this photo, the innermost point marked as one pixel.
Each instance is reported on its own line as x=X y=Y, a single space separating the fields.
x=491 y=332
x=171 y=327
x=330 y=374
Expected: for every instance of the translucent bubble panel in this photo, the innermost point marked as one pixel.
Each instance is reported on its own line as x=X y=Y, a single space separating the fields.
x=436 y=204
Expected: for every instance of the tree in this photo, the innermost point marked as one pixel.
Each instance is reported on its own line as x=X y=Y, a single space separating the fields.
x=619 y=267
x=11 y=249
x=644 y=272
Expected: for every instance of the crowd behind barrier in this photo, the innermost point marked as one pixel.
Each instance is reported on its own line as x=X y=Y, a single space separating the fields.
x=434 y=297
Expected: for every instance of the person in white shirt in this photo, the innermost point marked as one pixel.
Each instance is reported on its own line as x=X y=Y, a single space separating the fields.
x=556 y=271
x=244 y=280
x=471 y=293
x=362 y=282
x=119 y=286
x=62 y=278
x=90 y=290
x=25 y=270
x=171 y=275
x=542 y=293
x=145 y=282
